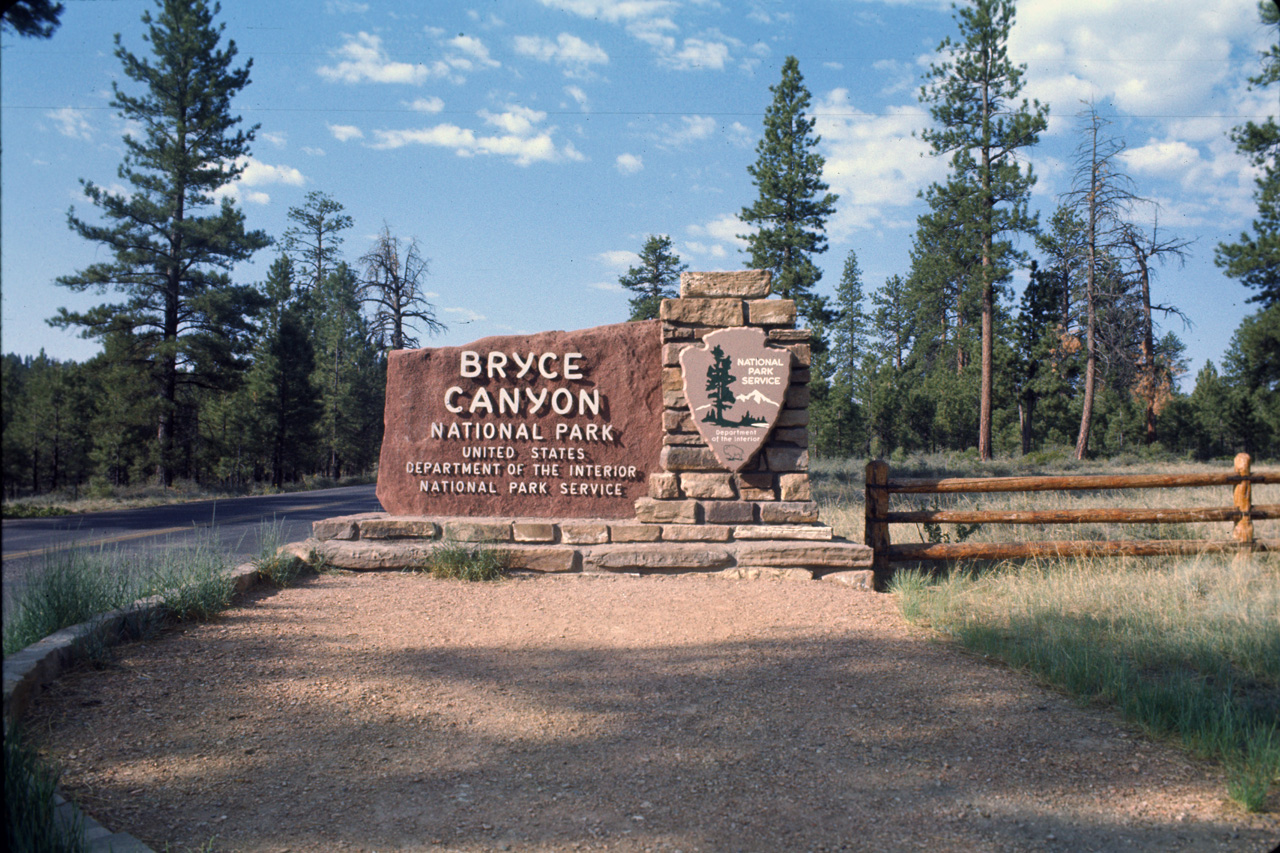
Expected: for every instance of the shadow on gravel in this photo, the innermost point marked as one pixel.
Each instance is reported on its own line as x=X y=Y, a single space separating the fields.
x=800 y=739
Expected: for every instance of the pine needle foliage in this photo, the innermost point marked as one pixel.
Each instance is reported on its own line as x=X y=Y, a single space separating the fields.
x=187 y=322
x=791 y=212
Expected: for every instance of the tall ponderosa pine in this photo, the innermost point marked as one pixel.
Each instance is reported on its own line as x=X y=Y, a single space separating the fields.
x=349 y=376
x=791 y=213
x=1255 y=258
x=170 y=262
x=314 y=239
x=279 y=383
x=972 y=93
x=657 y=277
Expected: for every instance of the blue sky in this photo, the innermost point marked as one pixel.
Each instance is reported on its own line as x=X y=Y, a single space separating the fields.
x=531 y=145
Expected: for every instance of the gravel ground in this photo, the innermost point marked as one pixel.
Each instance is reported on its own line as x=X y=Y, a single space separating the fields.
x=394 y=712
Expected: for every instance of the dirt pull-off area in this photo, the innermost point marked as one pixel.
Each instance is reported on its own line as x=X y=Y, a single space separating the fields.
x=394 y=712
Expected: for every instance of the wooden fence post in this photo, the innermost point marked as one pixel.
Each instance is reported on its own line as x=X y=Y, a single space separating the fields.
x=876 y=530
x=1244 y=505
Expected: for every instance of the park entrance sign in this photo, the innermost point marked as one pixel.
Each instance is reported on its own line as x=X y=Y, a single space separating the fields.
x=677 y=444
x=558 y=424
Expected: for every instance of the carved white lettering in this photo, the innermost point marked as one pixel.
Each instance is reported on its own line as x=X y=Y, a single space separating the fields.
x=470 y=364
x=448 y=400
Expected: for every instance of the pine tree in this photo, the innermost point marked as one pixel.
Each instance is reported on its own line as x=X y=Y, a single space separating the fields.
x=791 y=213
x=657 y=277
x=349 y=376
x=972 y=95
x=1255 y=258
x=31 y=18
x=314 y=239
x=891 y=320
x=849 y=329
x=279 y=383
x=718 y=381
x=169 y=261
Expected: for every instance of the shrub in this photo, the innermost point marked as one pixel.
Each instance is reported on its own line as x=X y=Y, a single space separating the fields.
x=465 y=562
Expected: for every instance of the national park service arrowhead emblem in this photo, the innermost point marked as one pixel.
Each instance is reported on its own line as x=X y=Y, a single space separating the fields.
x=735 y=385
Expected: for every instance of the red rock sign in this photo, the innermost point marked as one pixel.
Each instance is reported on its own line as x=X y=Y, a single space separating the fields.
x=736 y=386
x=552 y=425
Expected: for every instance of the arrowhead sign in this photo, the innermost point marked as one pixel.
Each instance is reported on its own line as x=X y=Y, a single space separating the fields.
x=735 y=385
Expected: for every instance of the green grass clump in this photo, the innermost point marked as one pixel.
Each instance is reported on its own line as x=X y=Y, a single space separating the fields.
x=465 y=562
x=1188 y=649
x=30 y=822
x=277 y=568
x=194 y=581
x=75 y=585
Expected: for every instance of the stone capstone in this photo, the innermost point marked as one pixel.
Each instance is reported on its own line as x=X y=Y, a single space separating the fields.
x=703 y=312
x=743 y=284
x=656 y=557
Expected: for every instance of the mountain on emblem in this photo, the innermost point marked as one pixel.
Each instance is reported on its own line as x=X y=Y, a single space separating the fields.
x=735 y=385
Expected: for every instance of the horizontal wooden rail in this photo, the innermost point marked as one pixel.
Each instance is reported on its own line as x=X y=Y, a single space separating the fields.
x=1078 y=516
x=951 y=485
x=879 y=488
x=926 y=551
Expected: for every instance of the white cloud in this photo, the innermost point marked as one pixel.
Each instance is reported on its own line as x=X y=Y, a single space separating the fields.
x=521 y=140
x=578 y=96
x=618 y=259
x=699 y=54
x=345 y=7
x=257 y=174
x=516 y=120
x=426 y=105
x=629 y=164
x=568 y=51
x=1147 y=57
x=314 y=152
x=465 y=315
x=276 y=139
x=474 y=54
x=71 y=122
x=345 y=132
x=611 y=286
x=613 y=11
x=691 y=129
x=362 y=59
x=873 y=163
x=649 y=21
x=716 y=239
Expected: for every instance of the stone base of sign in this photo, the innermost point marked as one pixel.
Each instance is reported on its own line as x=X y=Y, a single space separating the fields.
x=373 y=541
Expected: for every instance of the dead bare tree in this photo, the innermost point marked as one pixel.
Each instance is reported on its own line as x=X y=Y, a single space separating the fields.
x=1154 y=381
x=1102 y=194
x=394 y=272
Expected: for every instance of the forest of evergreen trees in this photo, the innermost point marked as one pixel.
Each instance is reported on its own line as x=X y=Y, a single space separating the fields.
x=241 y=385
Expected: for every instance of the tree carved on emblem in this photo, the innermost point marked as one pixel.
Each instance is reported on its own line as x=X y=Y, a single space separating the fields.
x=718 y=381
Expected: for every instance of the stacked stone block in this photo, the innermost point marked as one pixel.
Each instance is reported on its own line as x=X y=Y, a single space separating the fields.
x=693 y=497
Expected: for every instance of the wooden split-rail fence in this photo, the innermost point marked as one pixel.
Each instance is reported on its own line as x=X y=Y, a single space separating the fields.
x=880 y=486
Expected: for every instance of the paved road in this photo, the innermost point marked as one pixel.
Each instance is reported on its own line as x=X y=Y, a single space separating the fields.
x=238 y=522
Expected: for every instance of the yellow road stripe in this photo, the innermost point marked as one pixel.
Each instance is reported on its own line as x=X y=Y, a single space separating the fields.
x=93 y=543
x=142 y=534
